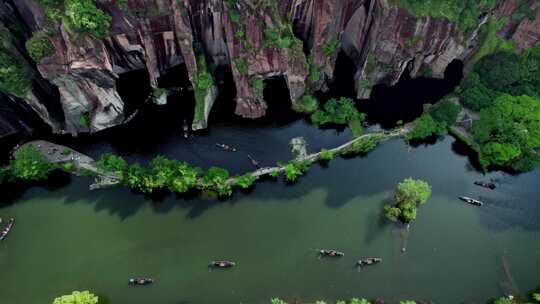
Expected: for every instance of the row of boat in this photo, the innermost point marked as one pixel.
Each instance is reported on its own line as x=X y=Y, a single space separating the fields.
x=488 y=185
x=367 y=261
x=6 y=228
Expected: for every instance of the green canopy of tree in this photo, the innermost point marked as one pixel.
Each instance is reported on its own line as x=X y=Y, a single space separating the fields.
x=508 y=129
x=337 y=111
x=84 y=16
x=111 y=162
x=409 y=194
x=77 y=297
x=425 y=126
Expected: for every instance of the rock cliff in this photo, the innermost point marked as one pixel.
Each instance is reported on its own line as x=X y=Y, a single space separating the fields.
x=75 y=89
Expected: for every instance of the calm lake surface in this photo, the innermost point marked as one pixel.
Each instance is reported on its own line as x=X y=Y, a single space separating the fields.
x=69 y=238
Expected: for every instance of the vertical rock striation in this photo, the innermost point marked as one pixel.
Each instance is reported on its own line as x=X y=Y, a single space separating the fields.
x=75 y=90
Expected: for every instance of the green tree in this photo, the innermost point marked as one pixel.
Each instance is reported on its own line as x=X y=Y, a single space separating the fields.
x=412 y=191
x=337 y=111
x=358 y=301
x=503 y=300
x=326 y=154
x=306 y=104
x=245 y=181
x=445 y=112
x=536 y=297
x=425 y=126
x=39 y=46
x=84 y=16
x=29 y=164
x=215 y=179
x=111 y=162
x=77 y=297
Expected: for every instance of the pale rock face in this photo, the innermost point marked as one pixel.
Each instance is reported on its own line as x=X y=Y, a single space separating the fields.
x=209 y=100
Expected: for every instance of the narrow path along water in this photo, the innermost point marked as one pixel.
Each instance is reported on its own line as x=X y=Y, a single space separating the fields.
x=69 y=238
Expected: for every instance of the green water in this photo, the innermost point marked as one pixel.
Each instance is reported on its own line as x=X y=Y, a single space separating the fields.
x=69 y=238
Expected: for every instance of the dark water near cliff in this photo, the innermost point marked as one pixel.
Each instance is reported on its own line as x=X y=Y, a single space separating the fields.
x=68 y=238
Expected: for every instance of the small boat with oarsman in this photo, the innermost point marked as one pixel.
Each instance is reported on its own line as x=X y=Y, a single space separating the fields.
x=331 y=253
x=471 y=201
x=226 y=147
x=7 y=228
x=140 y=281
x=368 y=261
x=222 y=264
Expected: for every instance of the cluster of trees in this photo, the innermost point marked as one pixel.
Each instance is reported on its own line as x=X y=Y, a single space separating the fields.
x=505 y=89
x=435 y=121
x=340 y=112
x=409 y=194
x=39 y=46
x=77 y=297
x=465 y=13
x=27 y=165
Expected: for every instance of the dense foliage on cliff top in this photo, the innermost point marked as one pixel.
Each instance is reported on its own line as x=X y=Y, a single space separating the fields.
x=505 y=88
x=81 y=16
x=465 y=13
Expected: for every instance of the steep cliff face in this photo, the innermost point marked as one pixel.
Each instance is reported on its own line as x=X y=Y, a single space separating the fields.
x=294 y=39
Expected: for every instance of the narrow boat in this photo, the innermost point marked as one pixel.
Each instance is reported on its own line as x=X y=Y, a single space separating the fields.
x=488 y=185
x=368 y=261
x=471 y=201
x=7 y=228
x=185 y=129
x=222 y=264
x=254 y=163
x=226 y=147
x=140 y=281
x=331 y=253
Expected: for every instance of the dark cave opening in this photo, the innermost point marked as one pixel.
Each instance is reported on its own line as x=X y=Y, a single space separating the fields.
x=181 y=100
x=134 y=89
x=404 y=101
x=277 y=97
x=225 y=104
x=342 y=84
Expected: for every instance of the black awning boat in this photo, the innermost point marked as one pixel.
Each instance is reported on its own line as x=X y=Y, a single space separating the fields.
x=222 y=264
x=140 y=281
x=331 y=253
x=488 y=185
x=368 y=261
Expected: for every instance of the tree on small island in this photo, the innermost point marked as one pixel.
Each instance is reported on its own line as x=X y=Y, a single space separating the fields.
x=77 y=297
x=410 y=193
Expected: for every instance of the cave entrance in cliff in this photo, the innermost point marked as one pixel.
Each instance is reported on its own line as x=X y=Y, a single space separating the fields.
x=405 y=100
x=134 y=89
x=181 y=99
x=342 y=84
x=225 y=104
x=278 y=99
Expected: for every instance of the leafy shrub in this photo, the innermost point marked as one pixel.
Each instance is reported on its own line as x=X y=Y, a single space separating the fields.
x=14 y=75
x=337 y=111
x=29 y=164
x=331 y=46
x=39 y=46
x=241 y=65
x=84 y=16
x=425 y=126
x=409 y=194
x=326 y=154
x=111 y=162
x=245 y=181
x=77 y=297
x=306 y=104
x=445 y=112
